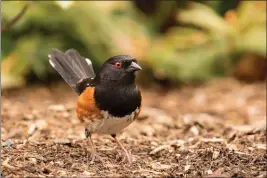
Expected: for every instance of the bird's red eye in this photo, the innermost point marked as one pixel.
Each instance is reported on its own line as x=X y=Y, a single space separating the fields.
x=118 y=65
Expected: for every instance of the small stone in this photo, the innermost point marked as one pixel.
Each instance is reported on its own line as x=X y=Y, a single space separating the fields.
x=159 y=166
x=158 y=149
x=56 y=108
x=41 y=124
x=177 y=155
x=187 y=167
x=187 y=118
x=74 y=120
x=190 y=139
x=86 y=173
x=51 y=163
x=60 y=163
x=33 y=160
x=62 y=141
x=232 y=147
x=8 y=143
x=19 y=146
x=231 y=136
x=213 y=140
x=35 y=112
x=147 y=130
x=215 y=154
x=32 y=129
x=262 y=174
x=46 y=170
x=29 y=116
x=183 y=150
x=65 y=115
x=177 y=142
x=154 y=143
x=209 y=172
x=160 y=117
x=194 y=130
x=261 y=146
x=62 y=173
x=200 y=98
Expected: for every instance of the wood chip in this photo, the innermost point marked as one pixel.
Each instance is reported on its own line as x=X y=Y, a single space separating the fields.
x=177 y=142
x=241 y=153
x=29 y=116
x=41 y=124
x=62 y=141
x=33 y=160
x=56 y=108
x=8 y=143
x=194 y=130
x=260 y=146
x=5 y=164
x=159 y=166
x=212 y=140
x=62 y=173
x=46 y=170
x=160 y=148
x=209 y=171
x=154 y=143
x=215 y=154
x=32 y=128
x=187 y=167
x=35 y=156
x=86 y=173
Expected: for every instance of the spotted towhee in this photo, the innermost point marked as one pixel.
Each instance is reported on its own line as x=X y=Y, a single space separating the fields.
x=109 y=101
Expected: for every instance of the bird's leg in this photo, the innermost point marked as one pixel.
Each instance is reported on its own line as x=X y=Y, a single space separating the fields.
x=93 y=152
x=126 y=153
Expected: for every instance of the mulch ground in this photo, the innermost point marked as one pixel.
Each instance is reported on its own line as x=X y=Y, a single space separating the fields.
x=214 y=130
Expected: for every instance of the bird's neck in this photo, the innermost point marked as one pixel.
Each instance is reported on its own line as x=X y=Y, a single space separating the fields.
x=107 y=81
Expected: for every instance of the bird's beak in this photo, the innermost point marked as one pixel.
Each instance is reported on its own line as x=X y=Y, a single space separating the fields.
x=134 y=67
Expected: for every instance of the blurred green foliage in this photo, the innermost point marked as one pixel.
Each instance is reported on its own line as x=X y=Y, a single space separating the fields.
x=180 y=41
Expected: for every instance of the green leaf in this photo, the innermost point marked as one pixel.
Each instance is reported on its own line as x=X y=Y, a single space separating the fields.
x=32 y=54
x=204 y=17
x=191 y=59
x=251 y=27
x=254 y=40
x=7 y=45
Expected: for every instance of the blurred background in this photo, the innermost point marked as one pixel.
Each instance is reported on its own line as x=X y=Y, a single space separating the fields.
x=176 y=42
x=203 y=87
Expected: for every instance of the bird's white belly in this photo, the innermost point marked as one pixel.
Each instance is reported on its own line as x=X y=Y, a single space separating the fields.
x=110 y=124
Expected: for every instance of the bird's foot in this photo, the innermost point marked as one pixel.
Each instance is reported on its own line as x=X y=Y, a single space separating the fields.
x=125 y=156
x=95 y=156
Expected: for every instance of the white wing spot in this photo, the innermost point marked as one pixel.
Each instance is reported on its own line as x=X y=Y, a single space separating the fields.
x=89 y=62
x=52 y=64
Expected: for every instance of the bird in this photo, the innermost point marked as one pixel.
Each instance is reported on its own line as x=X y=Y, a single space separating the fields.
x=108 y=101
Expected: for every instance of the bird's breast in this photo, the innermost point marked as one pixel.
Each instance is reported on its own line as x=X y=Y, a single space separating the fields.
x=108 y=112
x=109 y=124
x=120 y=101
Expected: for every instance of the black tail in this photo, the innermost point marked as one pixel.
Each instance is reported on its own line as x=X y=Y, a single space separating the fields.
x=72 y=67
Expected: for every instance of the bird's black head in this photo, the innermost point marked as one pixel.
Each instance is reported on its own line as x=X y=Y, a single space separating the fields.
x=119 y=69
x=115 y=89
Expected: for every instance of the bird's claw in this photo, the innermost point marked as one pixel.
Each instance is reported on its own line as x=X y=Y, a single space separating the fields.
x=94 y=156
x=125 y=157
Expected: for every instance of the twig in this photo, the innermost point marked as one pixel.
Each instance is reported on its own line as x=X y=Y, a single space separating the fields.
x=17 y=17
x=158 y=149
x=5 y=164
